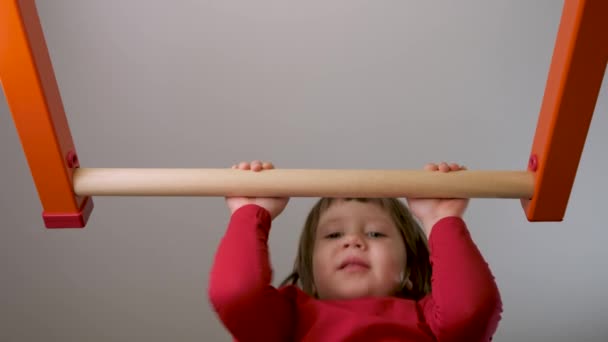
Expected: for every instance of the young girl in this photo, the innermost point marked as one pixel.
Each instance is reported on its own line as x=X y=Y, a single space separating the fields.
x=362 y=273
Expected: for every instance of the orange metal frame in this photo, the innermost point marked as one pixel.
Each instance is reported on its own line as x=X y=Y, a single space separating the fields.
x=573 y=84
x=34 y=100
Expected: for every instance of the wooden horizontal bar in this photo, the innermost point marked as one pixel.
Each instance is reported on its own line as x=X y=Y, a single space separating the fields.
x=303 y=183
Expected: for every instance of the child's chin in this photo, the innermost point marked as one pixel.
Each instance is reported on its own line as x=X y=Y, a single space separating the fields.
x=356 y=292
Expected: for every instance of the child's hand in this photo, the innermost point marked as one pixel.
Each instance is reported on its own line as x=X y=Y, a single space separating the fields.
x=430 y=211
x=274 y=205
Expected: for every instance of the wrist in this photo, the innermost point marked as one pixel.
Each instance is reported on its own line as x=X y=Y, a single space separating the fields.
x=429 y=223
x=250 y=206
x=253 y=209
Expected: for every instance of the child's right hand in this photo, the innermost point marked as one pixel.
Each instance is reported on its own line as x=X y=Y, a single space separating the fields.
x=274 y=205
x=430 y=210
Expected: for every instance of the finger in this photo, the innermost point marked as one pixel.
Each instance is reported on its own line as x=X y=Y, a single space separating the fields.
x=454 y=167
x=267 y=166
x=256 y=165
x=443 y=167
x=430 y=167
x=244 y=166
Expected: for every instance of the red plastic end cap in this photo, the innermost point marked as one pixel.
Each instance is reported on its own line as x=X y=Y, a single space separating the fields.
x=69 y=220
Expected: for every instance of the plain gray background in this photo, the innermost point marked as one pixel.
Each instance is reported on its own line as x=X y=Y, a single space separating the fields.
x=315 y=84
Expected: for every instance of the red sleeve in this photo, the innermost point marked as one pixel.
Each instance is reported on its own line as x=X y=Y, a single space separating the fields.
x=240 y=287
x=465 y=303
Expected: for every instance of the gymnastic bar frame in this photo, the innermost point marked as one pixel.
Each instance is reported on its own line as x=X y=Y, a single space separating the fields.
x=572 y=88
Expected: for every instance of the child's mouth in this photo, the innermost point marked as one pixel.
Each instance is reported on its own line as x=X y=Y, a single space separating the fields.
x=354 y=264
x=354 y=267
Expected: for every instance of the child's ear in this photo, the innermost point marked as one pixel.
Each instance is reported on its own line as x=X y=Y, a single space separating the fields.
x=314 y=292
x=406 y=283
x=409 y=285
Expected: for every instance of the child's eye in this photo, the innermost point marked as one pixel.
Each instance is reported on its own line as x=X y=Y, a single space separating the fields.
x=334 y=235
x=375 y=234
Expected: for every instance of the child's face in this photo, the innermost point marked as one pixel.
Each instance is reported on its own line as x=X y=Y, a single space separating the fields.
x=358 y=252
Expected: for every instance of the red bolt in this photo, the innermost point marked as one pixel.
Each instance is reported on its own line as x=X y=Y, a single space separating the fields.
x=533 y=163
x=72 y=160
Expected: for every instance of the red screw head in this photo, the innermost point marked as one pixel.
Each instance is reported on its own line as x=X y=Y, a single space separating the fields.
x=533 y=163
x=72 y=160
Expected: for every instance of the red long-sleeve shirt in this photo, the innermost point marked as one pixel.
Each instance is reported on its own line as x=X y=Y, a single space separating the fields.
x=464 y=305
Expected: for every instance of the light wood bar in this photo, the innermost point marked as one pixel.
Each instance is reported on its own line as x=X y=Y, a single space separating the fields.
x=302 y=183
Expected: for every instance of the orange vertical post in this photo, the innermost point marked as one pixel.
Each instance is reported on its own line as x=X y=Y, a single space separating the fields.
x=573 y=84
x=33 y=97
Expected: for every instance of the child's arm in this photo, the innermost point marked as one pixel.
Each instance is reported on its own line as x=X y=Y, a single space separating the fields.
x=240 y=282
x=465 y=303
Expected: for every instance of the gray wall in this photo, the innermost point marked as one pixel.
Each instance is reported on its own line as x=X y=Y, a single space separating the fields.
x=317 y=84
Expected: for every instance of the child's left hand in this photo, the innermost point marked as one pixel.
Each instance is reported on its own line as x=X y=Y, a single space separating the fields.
x=430 y=210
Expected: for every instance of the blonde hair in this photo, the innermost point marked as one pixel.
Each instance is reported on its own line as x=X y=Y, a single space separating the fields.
x=417 y=268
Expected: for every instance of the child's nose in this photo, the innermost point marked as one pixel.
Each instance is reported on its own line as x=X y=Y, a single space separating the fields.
x=354 y=240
